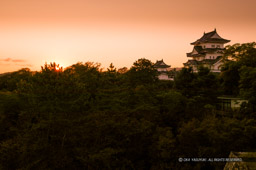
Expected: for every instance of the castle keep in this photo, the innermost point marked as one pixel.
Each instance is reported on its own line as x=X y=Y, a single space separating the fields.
x=207 y=52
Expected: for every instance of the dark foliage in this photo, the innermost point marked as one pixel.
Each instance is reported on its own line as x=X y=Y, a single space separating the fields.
x=84 y=118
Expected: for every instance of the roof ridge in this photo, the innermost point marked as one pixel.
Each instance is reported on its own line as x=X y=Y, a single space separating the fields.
x=207 y=37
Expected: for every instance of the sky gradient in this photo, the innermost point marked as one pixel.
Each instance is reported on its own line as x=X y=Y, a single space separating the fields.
x=33 y=32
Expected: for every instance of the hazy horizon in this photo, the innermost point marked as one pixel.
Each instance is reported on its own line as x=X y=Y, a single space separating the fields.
x=118 y=32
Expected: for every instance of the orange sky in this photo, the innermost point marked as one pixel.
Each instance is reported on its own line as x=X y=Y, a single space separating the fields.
x=33 y=32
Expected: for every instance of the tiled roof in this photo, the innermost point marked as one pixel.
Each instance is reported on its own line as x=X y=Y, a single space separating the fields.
x=208 y=37
x=192 y=62
x=205 y=61
x=202 y=51
x=212 y=50
x=244 y=160
x=198 y=48
x=194 y=55
x=161 y=64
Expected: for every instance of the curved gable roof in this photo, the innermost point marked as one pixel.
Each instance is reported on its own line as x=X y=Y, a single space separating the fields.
x=211 y=37
x=161 y=64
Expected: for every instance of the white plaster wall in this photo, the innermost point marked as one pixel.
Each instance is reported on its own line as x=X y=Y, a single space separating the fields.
x=164 y=76
x=195 y=69
x=236 y=103
x=198 y=58
x=212 y=56
x=161 y=69
x=216 y=67
x=209 y=45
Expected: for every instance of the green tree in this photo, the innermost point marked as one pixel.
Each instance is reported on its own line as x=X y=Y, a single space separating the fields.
x=10 y=108
x=9 y=81
x=172 y=107
x=184 y=82
x=247 y=85
x=215 y=137
x=86 y=118
x=142 y=73
x=122 y=70
x=206 y=85
x=111 y=68
x=203 y=84
x=235 y=57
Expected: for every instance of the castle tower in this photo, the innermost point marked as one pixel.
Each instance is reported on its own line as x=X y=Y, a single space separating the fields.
x=207 y=52
x=162 y=69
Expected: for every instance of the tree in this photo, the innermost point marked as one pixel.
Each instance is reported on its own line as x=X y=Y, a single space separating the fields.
x=184 y=82
x=9 y=81
x=244 y=54
x=10 y=108
x=229 y=78
x=86 y=118
x=52 y=67
x=172 y=107
x=206 y=85
x=143 y=73
x=111 y=68
x=88 y=78
x=122 y=70
x=247 y=86
x=215 y=137
x=235 y=57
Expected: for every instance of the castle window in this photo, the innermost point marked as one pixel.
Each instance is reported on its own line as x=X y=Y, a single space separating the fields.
x=218 y=46
x=213 y=46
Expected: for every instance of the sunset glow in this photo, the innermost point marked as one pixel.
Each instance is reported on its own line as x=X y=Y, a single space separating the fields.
x=118 y=32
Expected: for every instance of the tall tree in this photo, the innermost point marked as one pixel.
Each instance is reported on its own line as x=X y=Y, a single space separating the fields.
x=235 y=57
x=143 y=73
x=184 y=82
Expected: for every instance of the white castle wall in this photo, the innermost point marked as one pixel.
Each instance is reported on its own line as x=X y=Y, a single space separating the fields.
x=212 y=56
x=210 y=45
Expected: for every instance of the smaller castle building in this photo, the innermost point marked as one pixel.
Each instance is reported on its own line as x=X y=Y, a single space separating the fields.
x=207 y=52
x=162 y=68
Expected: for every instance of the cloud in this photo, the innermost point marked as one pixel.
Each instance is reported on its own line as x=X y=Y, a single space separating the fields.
x=18 y=61
x=7 y=59
x=13 y=60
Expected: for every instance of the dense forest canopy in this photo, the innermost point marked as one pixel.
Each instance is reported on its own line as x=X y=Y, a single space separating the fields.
x=82 y=117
